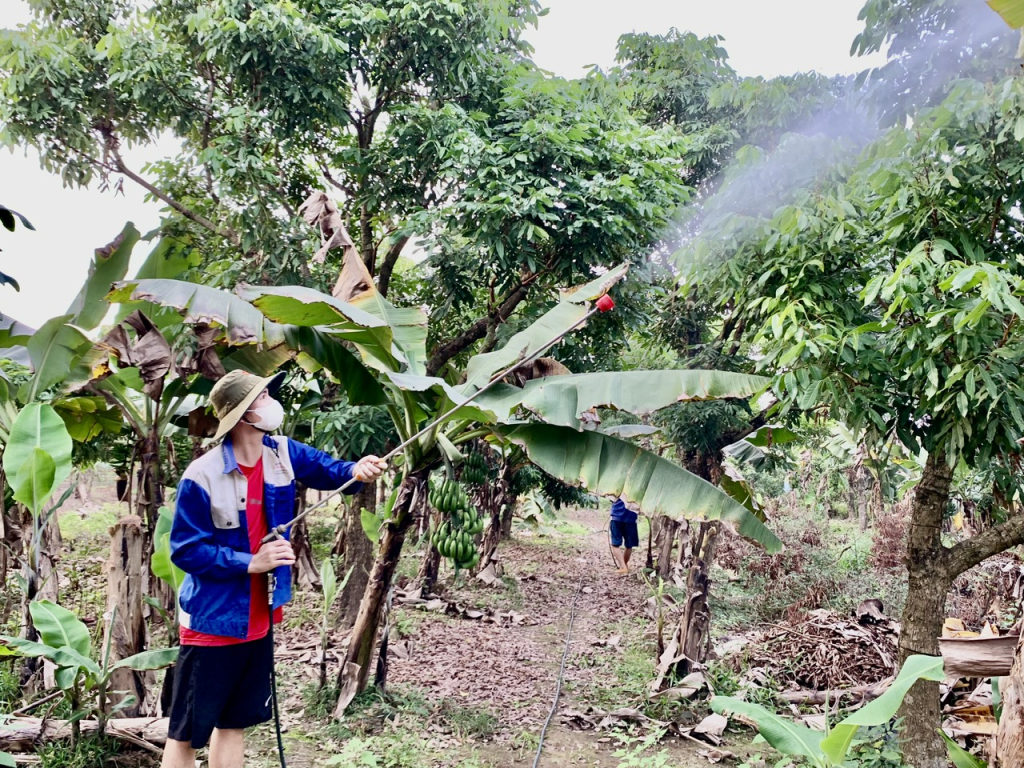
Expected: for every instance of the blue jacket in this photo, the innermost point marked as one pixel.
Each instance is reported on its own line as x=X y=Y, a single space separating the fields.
x=209 y=536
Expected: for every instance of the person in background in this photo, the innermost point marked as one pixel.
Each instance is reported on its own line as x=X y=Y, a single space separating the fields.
x=227 y=502
x=624 y=535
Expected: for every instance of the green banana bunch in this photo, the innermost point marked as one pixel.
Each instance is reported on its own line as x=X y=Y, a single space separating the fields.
x=475 y=470
x=453 y=538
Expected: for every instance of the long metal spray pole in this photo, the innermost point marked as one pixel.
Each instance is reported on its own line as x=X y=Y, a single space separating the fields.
x=603 y=305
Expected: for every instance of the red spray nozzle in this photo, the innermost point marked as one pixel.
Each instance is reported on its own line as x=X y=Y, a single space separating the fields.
x=605 y=303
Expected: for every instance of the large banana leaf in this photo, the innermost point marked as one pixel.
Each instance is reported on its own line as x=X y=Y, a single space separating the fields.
x=883 y=709
x=148 y=660
x=34 y=484
x=563 y=399
x=787 y=737
x=447 y=397
x=1012 y=11
x=242 y=322
x=557 y=321
x=109 y=265
x=38 y=427
x=327 y=350
x=58 y=627
x=612 y=467
x=53 y=350
x=597 y=287
x=389 y=338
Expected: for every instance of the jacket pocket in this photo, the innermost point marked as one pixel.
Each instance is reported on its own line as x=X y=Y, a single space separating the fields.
x=226 y=500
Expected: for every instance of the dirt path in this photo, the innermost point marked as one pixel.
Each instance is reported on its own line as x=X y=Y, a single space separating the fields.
x=485 y=688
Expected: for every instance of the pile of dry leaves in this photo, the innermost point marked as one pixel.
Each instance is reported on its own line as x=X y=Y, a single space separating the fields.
x=823 y=651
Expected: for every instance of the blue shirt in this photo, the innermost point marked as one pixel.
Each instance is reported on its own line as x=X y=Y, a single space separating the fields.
x=209 y=538
x=621 y=513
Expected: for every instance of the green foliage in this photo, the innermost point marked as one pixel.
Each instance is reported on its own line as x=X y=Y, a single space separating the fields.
x=161 y=563
x=37 y=457
x=904 y=325
x=65 y=641
x=613 y=467
x=825 y=750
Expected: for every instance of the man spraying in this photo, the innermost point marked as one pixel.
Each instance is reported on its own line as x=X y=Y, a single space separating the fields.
x=227 y=501
x=624 y=535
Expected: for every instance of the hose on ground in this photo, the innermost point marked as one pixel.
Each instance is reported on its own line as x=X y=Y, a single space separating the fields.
x=561 y=674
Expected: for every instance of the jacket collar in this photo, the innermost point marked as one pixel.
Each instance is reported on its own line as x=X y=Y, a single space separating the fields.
x=228 y=452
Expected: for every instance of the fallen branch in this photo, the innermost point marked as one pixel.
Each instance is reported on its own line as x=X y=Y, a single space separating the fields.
x=858 y=693
x=21 y=734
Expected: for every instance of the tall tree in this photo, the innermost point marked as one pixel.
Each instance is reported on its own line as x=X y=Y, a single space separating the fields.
x=888 y=296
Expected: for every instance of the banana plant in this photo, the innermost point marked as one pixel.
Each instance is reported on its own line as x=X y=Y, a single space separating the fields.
x=389 y=344
x=331 y=588
x=831 y=748
x=64 y=640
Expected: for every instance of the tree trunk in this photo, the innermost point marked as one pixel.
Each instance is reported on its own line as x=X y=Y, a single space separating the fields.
x=667 y=528
x=357 y=553
x=499 y=509
x=1011 y=725
x=355 y=671
x=929 y=580
x=305 y=573
x=695 y=621
x=125 y=604
x=430 y=566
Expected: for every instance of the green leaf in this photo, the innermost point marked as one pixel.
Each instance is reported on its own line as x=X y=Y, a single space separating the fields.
x=38 y=426
x=611 y=467
x=58 y=627
x=563 y=399
x=597 y=287
x=34 y=484
x=329 y=582
x=882 y=709
x=7 y=760
x=328 y=350
x=556 y=321
x=23 y=647
x=109 y=265
x=960 y=757
x=161 y=564
x=1012 y=11
x=784 y=735
x=74 y=660
x=371 y=525
x=242 y=322
x=147 y=660
x=53 y=350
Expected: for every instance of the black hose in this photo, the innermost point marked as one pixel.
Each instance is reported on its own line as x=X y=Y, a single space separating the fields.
x=561 y=673
x=273 y=674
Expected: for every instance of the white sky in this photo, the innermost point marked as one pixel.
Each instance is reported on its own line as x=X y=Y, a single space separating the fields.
x=762 y=38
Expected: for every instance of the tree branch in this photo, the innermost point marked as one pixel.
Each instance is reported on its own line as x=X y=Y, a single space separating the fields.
x=444 y=352
x=387 y=266
x=969 y=553
x=188 y=213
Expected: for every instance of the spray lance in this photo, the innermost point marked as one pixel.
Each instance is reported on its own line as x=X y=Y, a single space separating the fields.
x=603 y=304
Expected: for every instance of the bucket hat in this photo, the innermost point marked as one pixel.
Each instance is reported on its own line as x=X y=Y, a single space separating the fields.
x=233 y=393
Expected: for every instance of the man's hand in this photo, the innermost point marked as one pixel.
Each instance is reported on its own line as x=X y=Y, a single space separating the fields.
x=369 y=468
x=271 y=555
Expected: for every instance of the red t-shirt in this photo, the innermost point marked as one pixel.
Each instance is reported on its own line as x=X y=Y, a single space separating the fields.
x=259 y=611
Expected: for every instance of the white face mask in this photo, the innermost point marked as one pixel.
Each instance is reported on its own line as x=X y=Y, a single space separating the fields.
x=271 y=416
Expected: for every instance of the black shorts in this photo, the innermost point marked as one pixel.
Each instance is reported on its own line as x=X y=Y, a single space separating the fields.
x=224 y=686
x=623 y=531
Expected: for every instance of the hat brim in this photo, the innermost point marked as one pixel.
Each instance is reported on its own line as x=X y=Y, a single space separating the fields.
x=271 y=383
